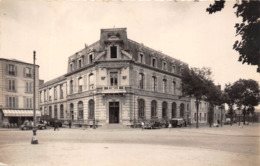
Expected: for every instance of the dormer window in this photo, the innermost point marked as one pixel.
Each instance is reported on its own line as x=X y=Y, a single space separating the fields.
x=113 y=52
x=154 y=62
x=90 y=58
x=164 y=66
x=71 y=67
x=80 y=63
x=173 y=69
x=141 y=58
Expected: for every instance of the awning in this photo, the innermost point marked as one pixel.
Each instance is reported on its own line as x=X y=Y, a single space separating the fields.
x=20 y=113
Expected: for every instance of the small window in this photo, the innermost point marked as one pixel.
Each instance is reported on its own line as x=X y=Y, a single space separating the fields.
x=61 y=91
x=80 y=63
x=174 y=87
x=71 y=67
x=80 y=84
x=28 y=72
x=11 y=69
x=154 y=83
x=164 y=66
x=55 y=93
x=113 y=79
x=113 y=51
x=173 y=69
x=91 y=81
x=141 y=58
x=90 y=58
x=141 y=81
x=28 y=87
x=164 y=85
x=11 y=85
x=153 y=62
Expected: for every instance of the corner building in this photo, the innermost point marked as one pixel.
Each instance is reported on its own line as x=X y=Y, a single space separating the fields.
x=116 y=80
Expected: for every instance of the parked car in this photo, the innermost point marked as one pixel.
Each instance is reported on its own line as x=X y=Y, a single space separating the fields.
x=177 y=122
x=153 y=125
x=29 y=126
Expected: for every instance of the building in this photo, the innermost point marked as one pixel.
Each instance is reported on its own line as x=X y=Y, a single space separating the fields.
x=116 y=80
x=204 y=113
x=16 y=92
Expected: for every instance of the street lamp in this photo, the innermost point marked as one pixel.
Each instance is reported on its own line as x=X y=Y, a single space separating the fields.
x=34 y=138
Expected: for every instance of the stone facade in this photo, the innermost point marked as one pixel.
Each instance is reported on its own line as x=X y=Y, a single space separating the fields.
x=16 y=89
x=117 y=80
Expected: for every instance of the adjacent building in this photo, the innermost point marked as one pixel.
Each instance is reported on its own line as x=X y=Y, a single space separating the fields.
x=16 y=91
x=116 y=80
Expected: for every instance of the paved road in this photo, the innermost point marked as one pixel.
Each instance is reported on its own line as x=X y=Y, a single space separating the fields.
x=230 y=145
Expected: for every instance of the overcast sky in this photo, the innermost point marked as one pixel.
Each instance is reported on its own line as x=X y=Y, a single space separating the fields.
x=183 y=30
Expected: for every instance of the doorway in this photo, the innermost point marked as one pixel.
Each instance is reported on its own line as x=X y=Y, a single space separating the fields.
x=113 y=112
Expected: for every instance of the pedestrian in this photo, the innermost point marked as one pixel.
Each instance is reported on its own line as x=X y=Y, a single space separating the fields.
x=142 y=123
x=55 y=126
x=170 y=126
x=69 y=124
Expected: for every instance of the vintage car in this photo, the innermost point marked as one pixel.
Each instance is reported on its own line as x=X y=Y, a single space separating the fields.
x=177 y=122
x=29 y=126
x=153 y=125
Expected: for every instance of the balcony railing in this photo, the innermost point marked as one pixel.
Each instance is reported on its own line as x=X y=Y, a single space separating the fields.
x=113 y=89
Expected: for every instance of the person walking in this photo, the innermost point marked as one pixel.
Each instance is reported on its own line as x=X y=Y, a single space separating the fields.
x=170 y=126
x=142 y=124
x=55 y=125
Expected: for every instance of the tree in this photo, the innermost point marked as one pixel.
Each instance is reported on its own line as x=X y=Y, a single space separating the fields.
x=248 y=47
x=248 y=95
x=195 y=82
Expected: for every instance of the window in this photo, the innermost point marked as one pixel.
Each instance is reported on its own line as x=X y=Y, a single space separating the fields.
x=50 y=111
x=40 y=96
x=45 y=95
x=55 y=111
x=141 y=81
x=71 y=67
x=182 y=110
x=195 y=117
x=29 y=103
x=50 y=96
x=11 y=85
x=80 y=84
x=28 y=87
x=154 y=83
x=113 y=79
x=141 y=58
x=91 y=109
x=200 y=117
x=45 y=111
x=205 y=116
x=174 y=87
x=28 y=72
x=174 y=113
x=188 y=107
x=80 y=110
x=173 y=69
x=61 y=91
x=91 y=81
x=61 y=111
x=141 y=109
x=153 y=109
x=164 y=66
x=164 y=85
x=71 y=86
x=164 y=109
x=90 y=58
x=11 y=102
x=55 y=93
x=80 y=63
x=154 y=62
x=113 y=51
x=11 y=69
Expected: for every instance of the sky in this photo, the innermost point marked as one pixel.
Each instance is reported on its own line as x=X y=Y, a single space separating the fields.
x=56 y=29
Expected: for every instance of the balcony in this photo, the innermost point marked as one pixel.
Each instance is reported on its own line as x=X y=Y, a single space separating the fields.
x=113 y=89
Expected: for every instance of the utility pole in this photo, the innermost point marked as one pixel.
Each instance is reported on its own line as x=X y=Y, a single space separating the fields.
x=34 y=138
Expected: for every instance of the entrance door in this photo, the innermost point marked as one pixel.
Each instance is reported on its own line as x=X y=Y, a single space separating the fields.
x=113 y=112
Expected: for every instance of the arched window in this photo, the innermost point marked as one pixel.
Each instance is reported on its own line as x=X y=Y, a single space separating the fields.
x=71 y=86
x=50 y=111
x=55 y=111
x=164 y=85
x=80 y=110
x=141 y=105
x=164 y=109
x=91 y=81
x=182 y=110
x=91 y=109
x=154 y=83
x=72 y=111
x=90 y=58
x=80 y=84
x=61 y=111
x=174 y=113
x=153 y=108
x=141 y=80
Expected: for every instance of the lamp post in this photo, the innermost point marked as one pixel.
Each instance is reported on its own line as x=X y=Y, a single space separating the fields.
x=34 y=138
